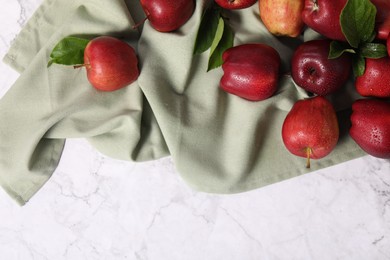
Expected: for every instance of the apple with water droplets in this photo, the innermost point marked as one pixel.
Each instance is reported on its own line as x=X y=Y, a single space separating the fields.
x=371 y=126
x=375 y=81
x=251 y=71
x=323 y=16
x=311 y=129
x=312 y=70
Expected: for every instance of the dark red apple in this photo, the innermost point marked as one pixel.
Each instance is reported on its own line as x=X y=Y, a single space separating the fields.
x=168 y=15
x=111 y=64
x=382 y=18
x=375 y=82
x=371 y=126
x=323 y=16
x=312 y=70
x=235 y=4
x=311 y=129
x=251 y=71
x=388 y=45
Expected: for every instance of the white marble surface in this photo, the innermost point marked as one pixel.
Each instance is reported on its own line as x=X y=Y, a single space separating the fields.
x=98 y=208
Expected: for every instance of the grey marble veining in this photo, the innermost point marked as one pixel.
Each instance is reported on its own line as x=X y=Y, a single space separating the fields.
x=95 y=207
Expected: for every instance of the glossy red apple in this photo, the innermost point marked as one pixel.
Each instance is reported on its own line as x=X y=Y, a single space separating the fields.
x=371 y=126
x=282 y=17
x=235 y=4
x=111 y=64
x=168 y=15
x=388 y=45
x=323 y=16
x=382 y=18
x=311 y=129
x=312 y=70
x=375 y=82
x=251 y=71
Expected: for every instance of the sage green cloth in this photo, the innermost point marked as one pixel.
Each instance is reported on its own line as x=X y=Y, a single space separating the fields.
x=219 y=142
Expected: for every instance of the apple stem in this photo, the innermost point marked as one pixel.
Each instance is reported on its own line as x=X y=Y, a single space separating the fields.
x=308 y=153
x=81 y=65
x=315 y=6
x=140 y=23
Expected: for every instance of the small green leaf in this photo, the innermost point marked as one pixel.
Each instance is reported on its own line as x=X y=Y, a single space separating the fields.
x=218 y=35
x=373 y=50
x=207 y=30
x=357 y=21
x=225 y=43
x=338 y=48
x=69 y=51
x=358 y=65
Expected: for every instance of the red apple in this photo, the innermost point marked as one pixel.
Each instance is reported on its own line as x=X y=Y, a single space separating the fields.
x=168 y=15
x=371 y=126
x=235 y=4
x=388 y=45
x=251 y=71
x=382 y=18
x=111 y=63
x=323 y=16
x=282 y=17
x=312 y=70
x=375 y=82
x=311 y=129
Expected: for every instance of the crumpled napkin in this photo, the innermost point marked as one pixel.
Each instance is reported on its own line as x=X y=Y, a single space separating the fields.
x=219 y=143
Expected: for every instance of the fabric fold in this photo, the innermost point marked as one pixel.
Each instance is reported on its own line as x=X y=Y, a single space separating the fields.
x=219 y=143
x=46 y=106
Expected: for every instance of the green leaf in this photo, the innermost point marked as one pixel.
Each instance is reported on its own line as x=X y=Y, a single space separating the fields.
x=358 y=65
x=207 y=30
x=373 y=50
x=357 y=21
x=225 y=43
x=218 y=35
x=338 y=48
x=69 y=51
